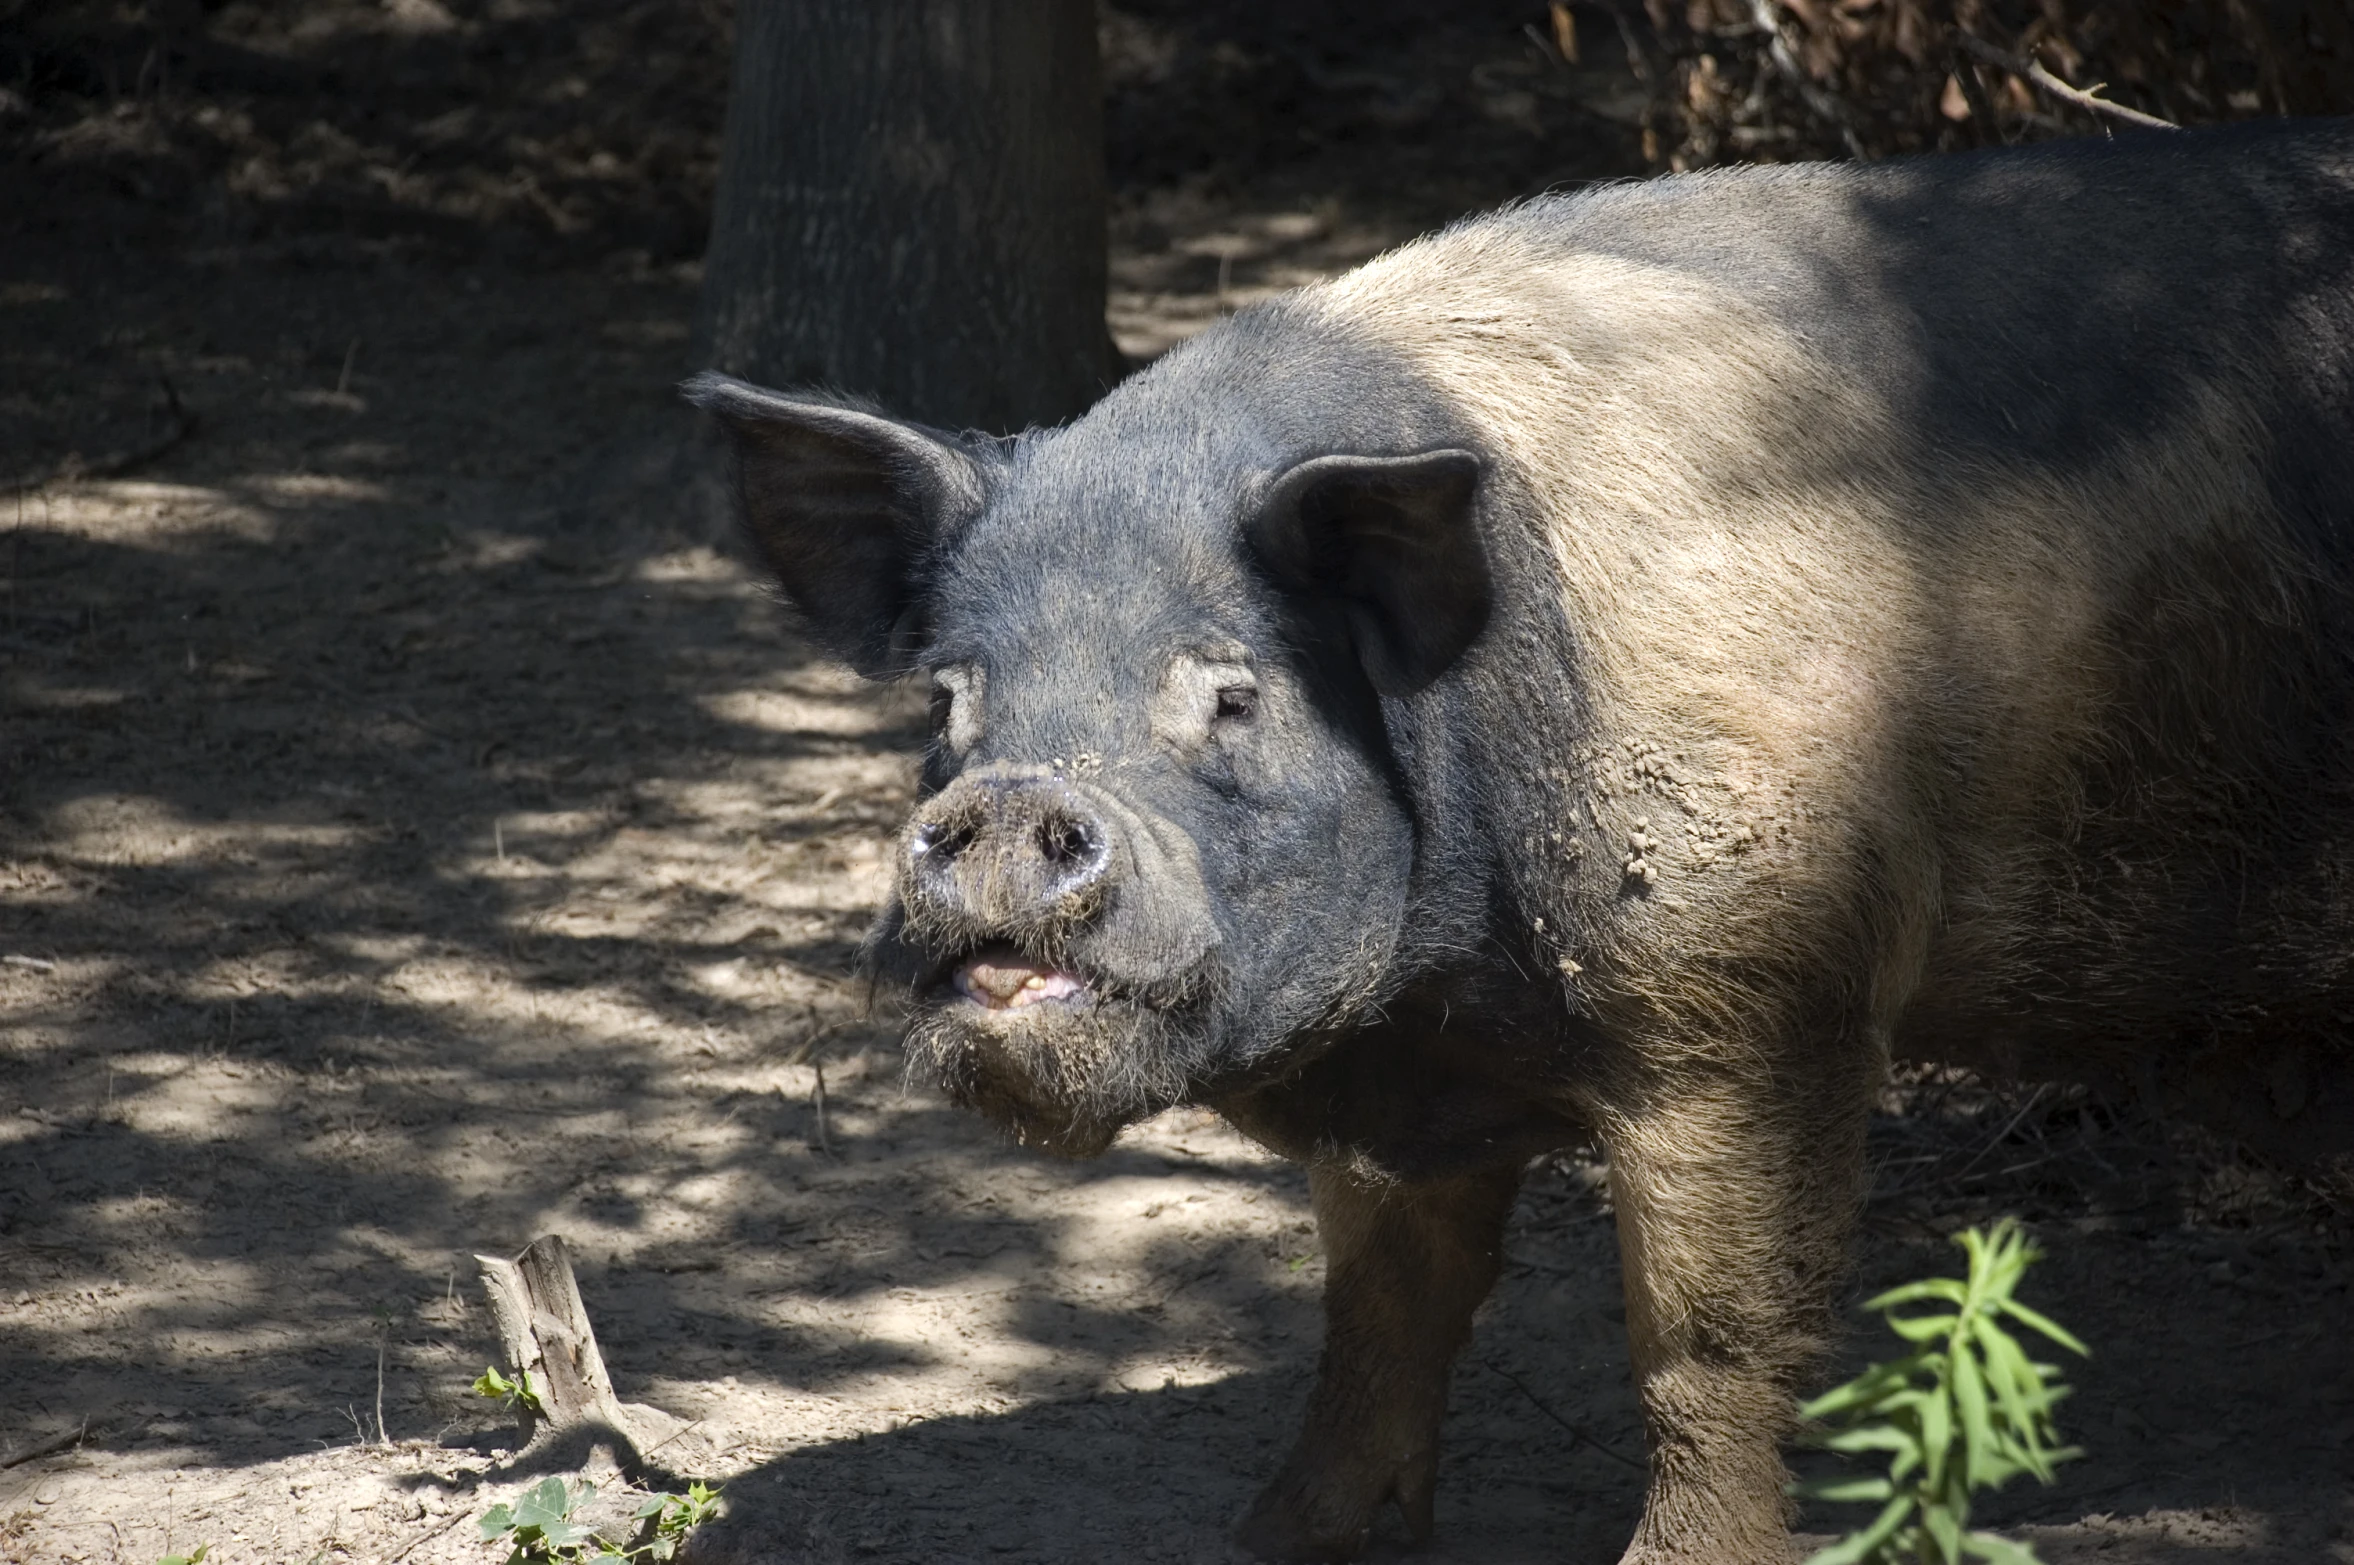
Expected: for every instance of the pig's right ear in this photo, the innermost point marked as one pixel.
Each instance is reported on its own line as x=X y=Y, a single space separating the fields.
x=844 y=508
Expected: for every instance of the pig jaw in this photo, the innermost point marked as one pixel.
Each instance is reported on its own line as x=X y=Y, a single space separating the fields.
x=1178 y=987
x=1063 y=1067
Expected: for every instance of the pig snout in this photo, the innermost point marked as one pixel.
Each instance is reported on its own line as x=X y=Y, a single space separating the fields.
x=1009 y=855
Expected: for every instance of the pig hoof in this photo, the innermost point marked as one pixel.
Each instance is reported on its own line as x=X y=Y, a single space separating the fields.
x=1274 y=1532
x=1299 y=1518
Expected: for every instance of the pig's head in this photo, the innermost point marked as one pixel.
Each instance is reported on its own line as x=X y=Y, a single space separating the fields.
x=1164 y=847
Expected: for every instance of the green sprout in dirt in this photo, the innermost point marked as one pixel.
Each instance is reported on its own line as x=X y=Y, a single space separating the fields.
x=540 y=1526
x=510 y=1394
x=196 y=1558
x=1965 y=1410
x=666 y=1519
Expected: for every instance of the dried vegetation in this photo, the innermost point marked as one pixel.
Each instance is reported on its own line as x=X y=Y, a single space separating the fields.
x=1782 y=80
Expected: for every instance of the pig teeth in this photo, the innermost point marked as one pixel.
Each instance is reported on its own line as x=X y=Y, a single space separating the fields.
x=1003 y=987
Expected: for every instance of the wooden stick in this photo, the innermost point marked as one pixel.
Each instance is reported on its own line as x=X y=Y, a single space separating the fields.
x=2033 y=70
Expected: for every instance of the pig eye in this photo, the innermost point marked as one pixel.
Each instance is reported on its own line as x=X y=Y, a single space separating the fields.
x=956 y=706
x=1203 y=694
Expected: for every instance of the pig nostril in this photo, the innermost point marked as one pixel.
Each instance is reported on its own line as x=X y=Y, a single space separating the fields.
x=1066 y=842
x=940 y=843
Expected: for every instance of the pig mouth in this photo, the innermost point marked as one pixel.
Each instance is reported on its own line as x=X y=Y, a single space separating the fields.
x=1061 y=1056
x=999 y=977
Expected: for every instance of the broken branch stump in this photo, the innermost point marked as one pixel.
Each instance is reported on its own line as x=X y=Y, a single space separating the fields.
x=544 y=1329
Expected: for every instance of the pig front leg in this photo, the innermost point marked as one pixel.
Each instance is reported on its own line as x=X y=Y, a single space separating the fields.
x=1734 y=1202
x=1406 y=1264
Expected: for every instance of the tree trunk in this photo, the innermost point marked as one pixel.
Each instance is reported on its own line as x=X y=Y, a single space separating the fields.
x=911 y=206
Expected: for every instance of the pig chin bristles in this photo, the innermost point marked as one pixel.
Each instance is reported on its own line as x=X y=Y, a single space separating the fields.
x=1062 y=1077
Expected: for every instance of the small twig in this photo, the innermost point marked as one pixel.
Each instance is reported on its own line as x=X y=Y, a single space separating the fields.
x=1565 y=32
x=1546 y=47
x=2021 y=1168
x=1577 y=1433
x=343 y=381
x=2003 y=1134
x=1987 y=126
x=38 y=964
x=40 y=1448
x=115 y=463
x=408 y=715
x=801 y=1052
x=659 y=1444
x=1825 y=103
x=427 y=1536
x=383 y=1335
x=16 y=563
x=2033 y=70
x=1646 y=66
x=825 y=1143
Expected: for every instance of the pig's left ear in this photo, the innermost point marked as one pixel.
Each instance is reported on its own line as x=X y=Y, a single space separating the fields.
x=1394 y=540
x=843 y=506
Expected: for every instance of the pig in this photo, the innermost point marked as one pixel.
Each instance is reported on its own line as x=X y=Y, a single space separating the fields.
x=1630 y=667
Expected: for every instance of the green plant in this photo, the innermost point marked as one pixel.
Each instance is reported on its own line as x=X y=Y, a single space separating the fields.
x=196 y=1558
x=540 y=1525
x=520 y=1392
x=668 y=1518
x=1965 y=1410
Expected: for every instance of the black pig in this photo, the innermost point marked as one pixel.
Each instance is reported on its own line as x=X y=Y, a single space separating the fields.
x=1631 y=666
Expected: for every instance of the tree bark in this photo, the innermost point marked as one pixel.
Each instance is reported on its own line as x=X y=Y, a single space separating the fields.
x=545 y=1334
x=911 y=207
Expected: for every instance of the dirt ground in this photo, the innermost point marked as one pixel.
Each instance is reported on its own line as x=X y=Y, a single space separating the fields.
x=411 y=843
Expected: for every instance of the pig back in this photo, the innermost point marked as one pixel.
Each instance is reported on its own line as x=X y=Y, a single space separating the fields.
x=1933 y=580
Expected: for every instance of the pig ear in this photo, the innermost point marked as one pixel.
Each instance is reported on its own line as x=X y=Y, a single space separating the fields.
x=1393 y=539
x=843 y=507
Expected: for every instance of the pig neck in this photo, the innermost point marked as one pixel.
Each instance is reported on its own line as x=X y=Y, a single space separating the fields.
x=1477 y=1061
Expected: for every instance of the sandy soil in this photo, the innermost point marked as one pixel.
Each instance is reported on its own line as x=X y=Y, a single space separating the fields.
x=407 y=847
